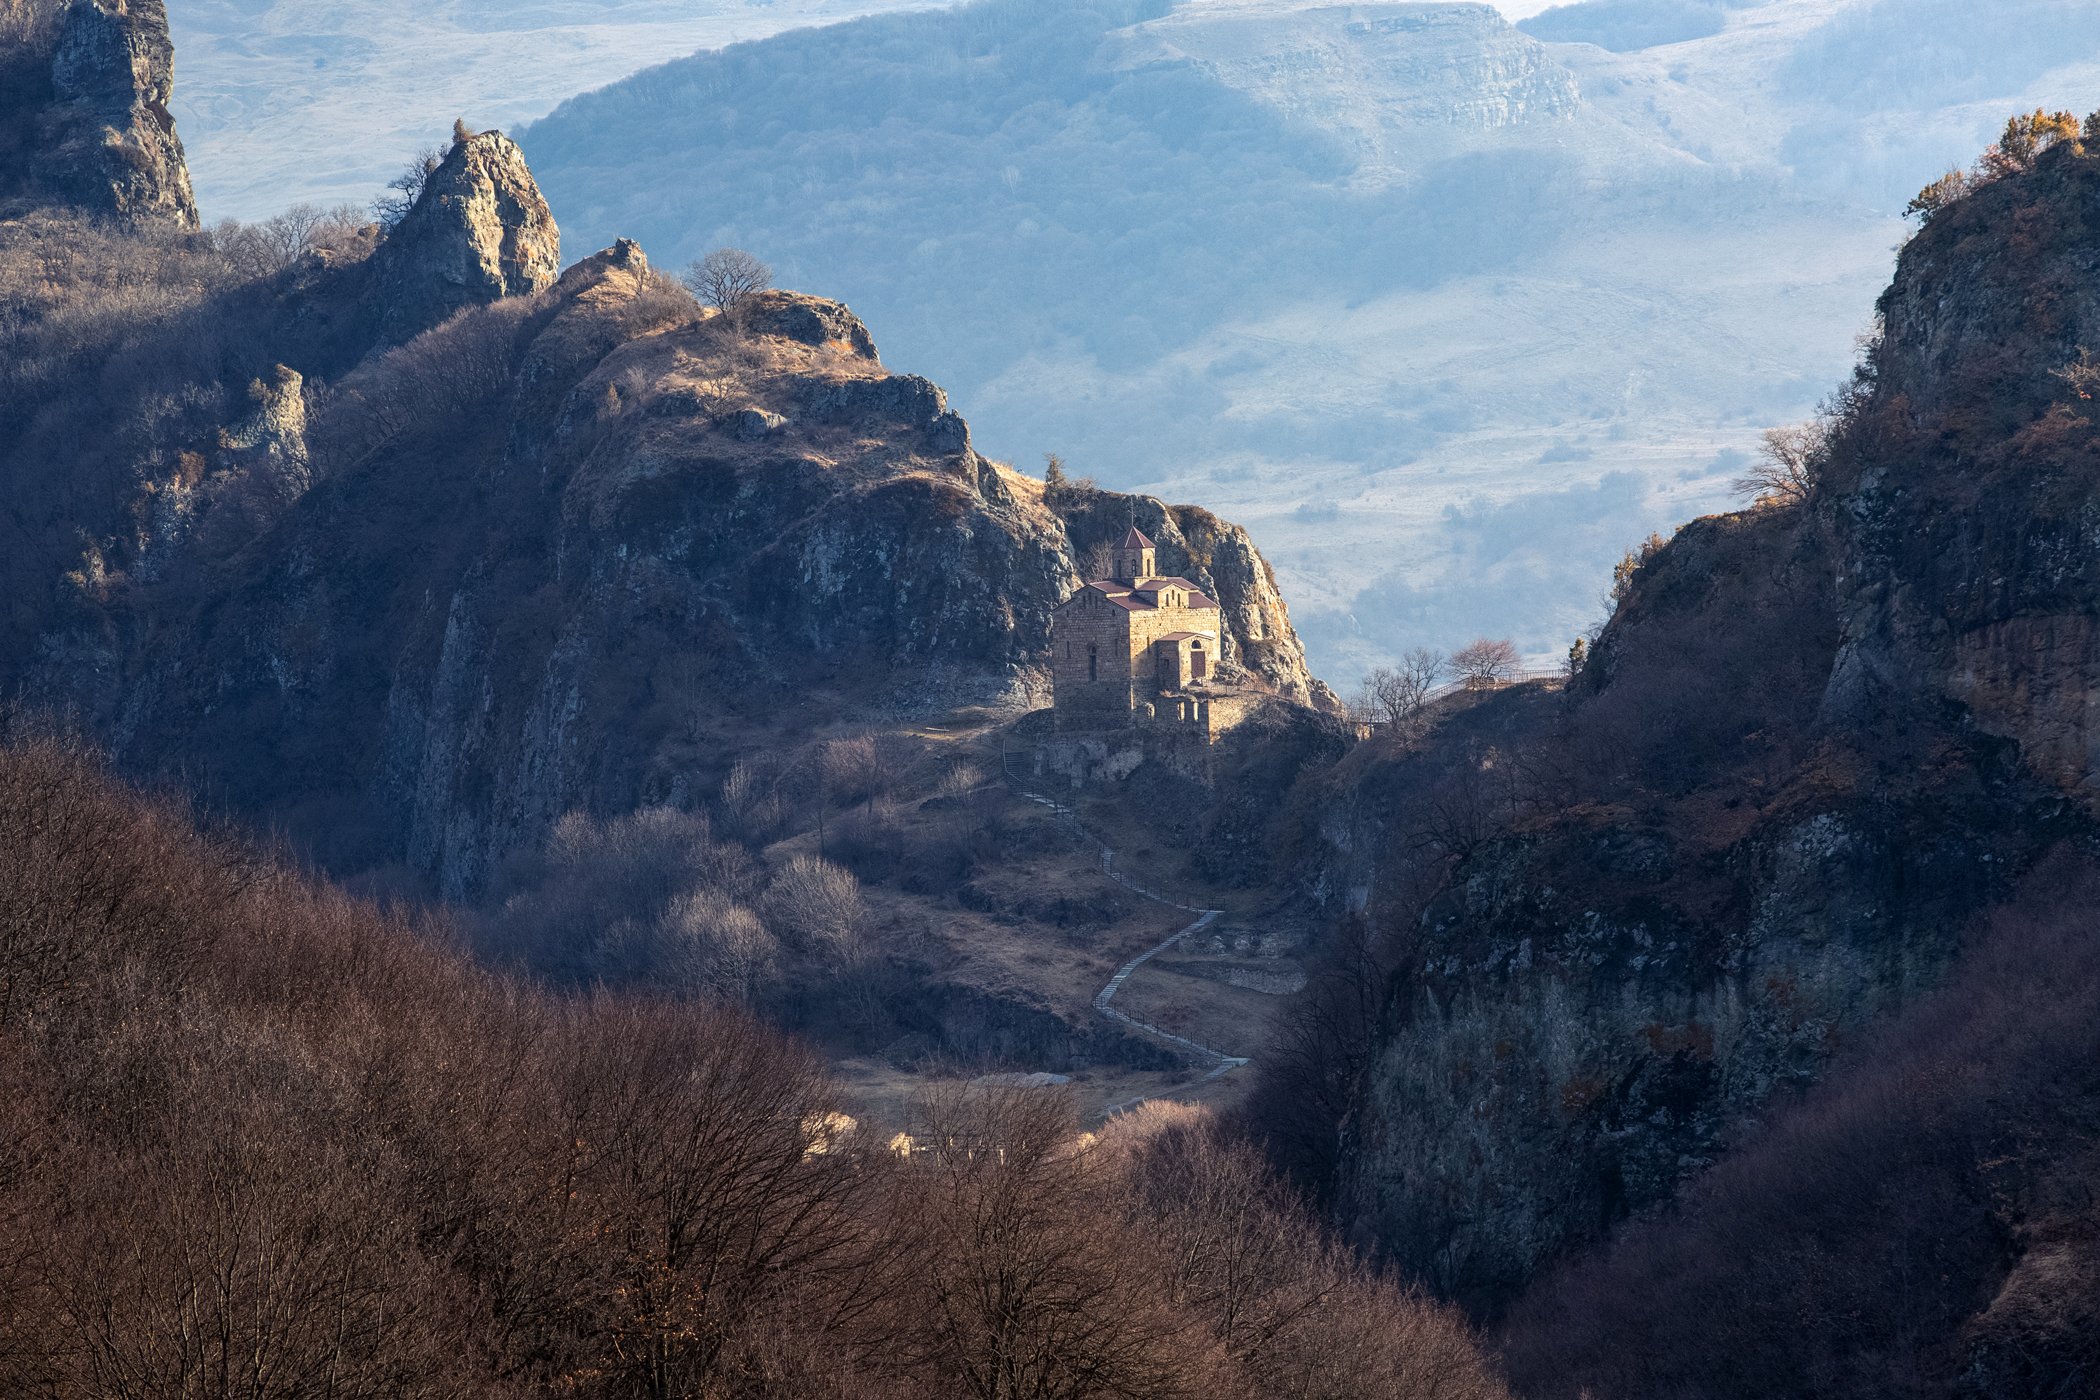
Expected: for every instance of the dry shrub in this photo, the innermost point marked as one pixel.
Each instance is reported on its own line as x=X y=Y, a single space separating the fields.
x=643 y=897
x=852 y=769
x=714 y=946
x=447 y=375
x=1024 y=1285
x=818 y=905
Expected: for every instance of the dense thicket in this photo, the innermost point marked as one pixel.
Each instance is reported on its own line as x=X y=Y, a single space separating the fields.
x=262 y=1139
x=124 y=354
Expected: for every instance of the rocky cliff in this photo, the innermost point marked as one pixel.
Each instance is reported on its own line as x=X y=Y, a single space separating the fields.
x=572 y=544
x=1969 y=521
x=84 y=119
x=1812 y=748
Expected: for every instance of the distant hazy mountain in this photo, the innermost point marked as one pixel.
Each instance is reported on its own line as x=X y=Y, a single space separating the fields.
x=324 y=100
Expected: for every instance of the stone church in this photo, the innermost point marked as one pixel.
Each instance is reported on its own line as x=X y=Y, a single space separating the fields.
x=1128 y=649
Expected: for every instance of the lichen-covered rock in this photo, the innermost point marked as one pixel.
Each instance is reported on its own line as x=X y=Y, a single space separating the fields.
x=84 y=115
x=809 y=320
x=478 y=232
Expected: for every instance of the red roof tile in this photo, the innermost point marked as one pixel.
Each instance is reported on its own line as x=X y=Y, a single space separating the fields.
x=1145 y=595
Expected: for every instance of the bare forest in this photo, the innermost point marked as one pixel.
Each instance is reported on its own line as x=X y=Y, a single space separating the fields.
x=264 y=1139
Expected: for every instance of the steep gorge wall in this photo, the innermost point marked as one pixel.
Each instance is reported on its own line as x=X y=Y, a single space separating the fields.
x=1812 y=748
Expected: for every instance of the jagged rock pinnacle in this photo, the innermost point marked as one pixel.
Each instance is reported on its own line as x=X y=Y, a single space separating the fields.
x=480 y=231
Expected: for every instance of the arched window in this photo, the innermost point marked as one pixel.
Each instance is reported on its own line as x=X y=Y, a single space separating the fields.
x=1093 y=664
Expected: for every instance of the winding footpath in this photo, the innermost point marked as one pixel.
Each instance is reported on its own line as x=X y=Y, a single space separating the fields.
x=1221 y=1064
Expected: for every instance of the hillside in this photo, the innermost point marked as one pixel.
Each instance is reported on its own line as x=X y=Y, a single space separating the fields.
x=676 y=967
x=413 y=548
x=323 y=101
x=1827 y=758
x=257 y=1129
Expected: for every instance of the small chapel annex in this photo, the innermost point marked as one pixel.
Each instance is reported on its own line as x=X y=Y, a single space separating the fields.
x=1128 y=649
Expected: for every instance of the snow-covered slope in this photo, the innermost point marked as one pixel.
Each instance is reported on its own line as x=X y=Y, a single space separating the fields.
x=1401 y=85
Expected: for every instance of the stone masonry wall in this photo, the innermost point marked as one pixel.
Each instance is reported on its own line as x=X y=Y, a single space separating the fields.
x=1090 y=620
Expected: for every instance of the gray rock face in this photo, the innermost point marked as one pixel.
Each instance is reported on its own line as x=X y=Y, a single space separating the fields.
x=480 y=231
x=89 y=118
x=753 y=424
x=808 y=320
x=1563 y=1057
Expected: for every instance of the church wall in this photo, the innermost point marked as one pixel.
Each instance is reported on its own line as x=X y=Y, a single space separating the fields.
x=1148 y=626
x=1107 y=697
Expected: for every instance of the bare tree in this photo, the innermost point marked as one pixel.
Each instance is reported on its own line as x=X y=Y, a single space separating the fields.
x=715 y=946
x=1787 y=464
x=727 y=279
x=407 y=187
x=1486 y=662
x=259 y=249
x=2082 y=375
x=852 y=770
x=1293 y=1310
x=289 y=235
x=1395 y=696
x=1024 y=1286
x=819 y=905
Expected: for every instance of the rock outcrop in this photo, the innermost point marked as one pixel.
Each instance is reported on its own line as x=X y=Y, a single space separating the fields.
x=84 y=117
x=478 y=232
x=1971 y=530
x=1220 y=558
x=583 y=549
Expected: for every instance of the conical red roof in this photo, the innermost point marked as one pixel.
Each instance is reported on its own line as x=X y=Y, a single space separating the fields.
x=1135 y=540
